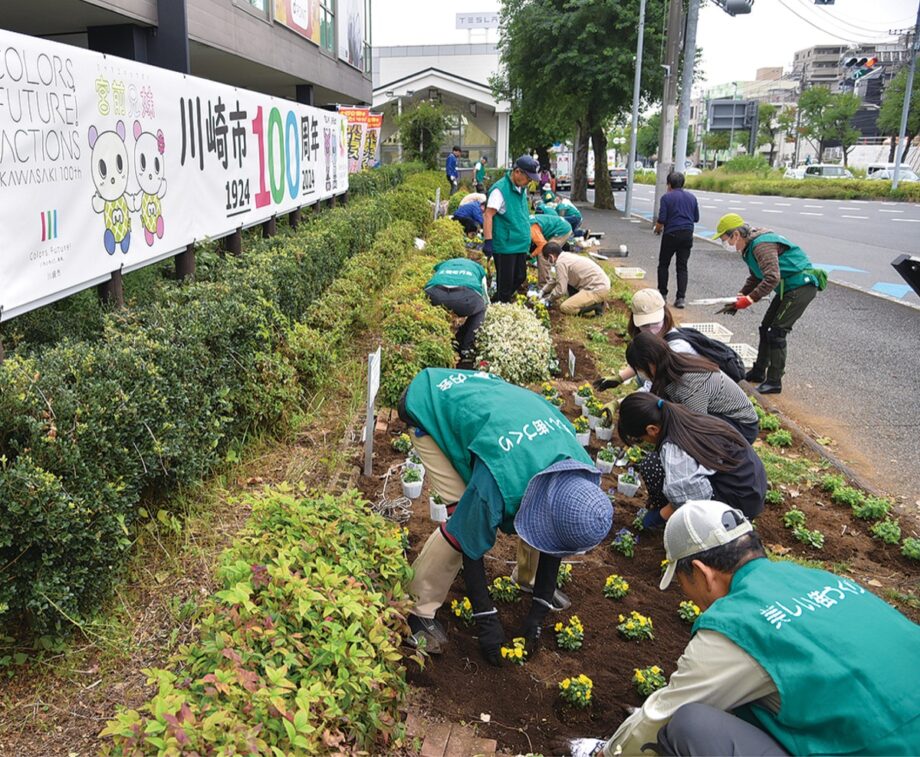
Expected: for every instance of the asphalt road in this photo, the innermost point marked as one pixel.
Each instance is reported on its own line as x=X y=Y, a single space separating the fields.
x=855 y=241
x=853 y=373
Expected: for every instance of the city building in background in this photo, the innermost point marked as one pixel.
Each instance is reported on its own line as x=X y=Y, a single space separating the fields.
x=457 y=76
x=316 y=52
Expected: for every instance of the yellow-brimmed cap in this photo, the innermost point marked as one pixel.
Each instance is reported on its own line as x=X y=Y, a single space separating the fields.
x=728 y=222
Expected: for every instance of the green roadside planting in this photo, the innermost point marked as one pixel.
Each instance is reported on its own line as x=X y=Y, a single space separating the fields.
x=98 y=428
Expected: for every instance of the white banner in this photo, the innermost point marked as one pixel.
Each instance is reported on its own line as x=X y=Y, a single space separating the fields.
x=107 y=164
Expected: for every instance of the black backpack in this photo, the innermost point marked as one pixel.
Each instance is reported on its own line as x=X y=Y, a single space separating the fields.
x=719 y=353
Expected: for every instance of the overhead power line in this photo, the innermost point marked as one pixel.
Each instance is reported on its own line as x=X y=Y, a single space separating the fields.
x=832 y=17
x=815 y=26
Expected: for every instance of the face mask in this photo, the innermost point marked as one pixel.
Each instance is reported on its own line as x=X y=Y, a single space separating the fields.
x=728 y=246
x=653 y=328
x=642 y=377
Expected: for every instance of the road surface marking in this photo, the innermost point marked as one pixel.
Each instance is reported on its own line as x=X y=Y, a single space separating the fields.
x=767 y=210
x=812 y=206
x=709 y=206
x=716 y=199
x=884 y=210
x=810 y=214
x=643 y=199
x=755 y=202
x=784 y=204
x=859 y=202
x=907 y=220
x=861 y=218
x=844 y=208
x=829 y=267
x=892 y=290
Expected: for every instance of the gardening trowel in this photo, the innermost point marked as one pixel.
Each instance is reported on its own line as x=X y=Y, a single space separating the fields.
x=714 y=301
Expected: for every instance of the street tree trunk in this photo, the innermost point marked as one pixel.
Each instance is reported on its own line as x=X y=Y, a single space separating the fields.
x=580 y=177
x=892 y=147
x=543 y=155
x=772 y=151
x=603 y=195
x=909 y=139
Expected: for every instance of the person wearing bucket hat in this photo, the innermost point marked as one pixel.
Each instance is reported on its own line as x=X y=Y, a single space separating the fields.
x=783 y=659
x=506 y=226
x=775 y=264
x=504 y=459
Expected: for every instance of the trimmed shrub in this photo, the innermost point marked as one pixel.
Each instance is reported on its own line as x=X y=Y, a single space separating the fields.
x=298 y=652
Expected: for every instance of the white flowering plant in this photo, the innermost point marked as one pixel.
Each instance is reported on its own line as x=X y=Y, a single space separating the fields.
x=515 y=344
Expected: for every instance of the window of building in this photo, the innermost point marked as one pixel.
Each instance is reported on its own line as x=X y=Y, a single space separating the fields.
x=260 y=6
x=327 y=25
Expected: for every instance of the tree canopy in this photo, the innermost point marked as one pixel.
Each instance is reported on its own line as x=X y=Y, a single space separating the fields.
x=826 y=118
x=889 y=117
x=421 y=131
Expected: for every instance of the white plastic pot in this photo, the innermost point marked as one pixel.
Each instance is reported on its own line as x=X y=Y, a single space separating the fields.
x=593 y=421
x=412 y=490
x=436 y=511
x=410 y=465
x=603 y=434
x=584 y=439
x=584 y=410
x=579 y=401
x=604 y=466
x=626 y=489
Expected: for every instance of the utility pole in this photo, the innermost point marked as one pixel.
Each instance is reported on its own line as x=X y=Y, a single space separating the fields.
x=637 y=82
x=686 y=85
x=908 y=91
x=668 y=102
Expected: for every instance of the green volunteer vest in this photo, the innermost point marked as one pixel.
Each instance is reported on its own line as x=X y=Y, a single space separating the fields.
x=480 y=173
x=545 y=209
x=511 y=229
x=565 y=209
x=513 y=431
x=795 y=269
x=846 y=664
x=459 y=272
x=553 y=226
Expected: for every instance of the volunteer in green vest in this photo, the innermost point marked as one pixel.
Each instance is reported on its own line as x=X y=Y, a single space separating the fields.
x=776 y=265
x=783 y=659
x=543 y=229
x=479 y=174
x=501 y=457
x=506 y=227
x=459 y=284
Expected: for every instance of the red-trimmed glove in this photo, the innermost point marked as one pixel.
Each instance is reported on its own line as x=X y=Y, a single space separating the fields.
x=743 y=302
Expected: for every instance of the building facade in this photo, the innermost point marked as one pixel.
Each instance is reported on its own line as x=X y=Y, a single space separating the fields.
x=314 y=51
x=458 y=77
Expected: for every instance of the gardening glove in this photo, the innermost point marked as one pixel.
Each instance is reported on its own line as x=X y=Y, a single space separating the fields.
x=609 y=411
x=652 y=520
x=602 y=384
x=487 y=248
x=491 y=636
x=543 y=587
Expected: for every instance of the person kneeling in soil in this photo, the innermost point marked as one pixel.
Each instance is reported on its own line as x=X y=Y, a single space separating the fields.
x=698 y=456
x=459 y=284
x=695 y=382
x=502 y=457
x=578 y=276
x=783 y=660
x=470 y=217
x=545 y=229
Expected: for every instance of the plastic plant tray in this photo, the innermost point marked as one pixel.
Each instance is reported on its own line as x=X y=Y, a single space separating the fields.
x=625 y=272
x=747 y=353
x=713 y=330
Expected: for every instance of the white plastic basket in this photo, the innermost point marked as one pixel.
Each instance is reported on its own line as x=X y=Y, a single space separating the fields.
x=625 y=272
x=713 y=330
x=747 y=353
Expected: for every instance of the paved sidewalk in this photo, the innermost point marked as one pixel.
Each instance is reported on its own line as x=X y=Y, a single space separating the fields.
x=854 y=360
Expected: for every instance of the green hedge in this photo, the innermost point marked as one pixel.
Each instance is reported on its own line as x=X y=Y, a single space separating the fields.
x=377 y=180
x=298 y=653
x=814 y=189
x=90 y=427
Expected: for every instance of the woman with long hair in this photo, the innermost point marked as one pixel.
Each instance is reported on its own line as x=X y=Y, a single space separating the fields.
x=648 y=312
x=702 y=457
x=692 y=381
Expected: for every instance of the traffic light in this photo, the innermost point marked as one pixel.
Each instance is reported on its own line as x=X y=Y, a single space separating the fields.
x=860 y=68
x=734 y=7
x=824 y=2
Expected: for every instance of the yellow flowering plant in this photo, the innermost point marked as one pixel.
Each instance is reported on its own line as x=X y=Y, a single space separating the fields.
x=463 y=609
x=548 y=389
x=635 y=626
x=503 y=589
x=688 y=611
x=517 y=652
x=664 y=565
x=649 y=679
x=564 y=575
x=571 y=635
x=616 y=587
x=585 y=390
x=577 y=691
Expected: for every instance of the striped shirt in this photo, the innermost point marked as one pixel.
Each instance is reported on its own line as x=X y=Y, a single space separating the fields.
x=712 y=394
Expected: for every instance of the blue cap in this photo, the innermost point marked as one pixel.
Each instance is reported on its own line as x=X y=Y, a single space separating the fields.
x=529 y=166
x=564 y=512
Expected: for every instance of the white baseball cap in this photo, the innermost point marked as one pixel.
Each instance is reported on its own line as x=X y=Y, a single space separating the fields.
x=647 y=307
x=699 y=525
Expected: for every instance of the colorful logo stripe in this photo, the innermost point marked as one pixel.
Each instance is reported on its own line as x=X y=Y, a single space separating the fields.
x=49 y=225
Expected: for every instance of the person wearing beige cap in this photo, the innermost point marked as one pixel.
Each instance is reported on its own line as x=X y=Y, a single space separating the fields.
x=783 y=659
x=579 y=277
x=648 y=312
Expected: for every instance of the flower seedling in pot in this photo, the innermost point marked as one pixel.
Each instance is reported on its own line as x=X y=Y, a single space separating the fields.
x=412 y=483
x=605 y=459
x=402 y=443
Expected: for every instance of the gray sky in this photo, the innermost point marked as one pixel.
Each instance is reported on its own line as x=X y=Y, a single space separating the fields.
x=733 y=48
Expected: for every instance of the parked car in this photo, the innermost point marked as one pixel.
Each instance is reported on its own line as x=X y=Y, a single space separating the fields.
x=618 y=178
x=818 y=171
x=692 y=171
x=873 y=167
x=887 y=174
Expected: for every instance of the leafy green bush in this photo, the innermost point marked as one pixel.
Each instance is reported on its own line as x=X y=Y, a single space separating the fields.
x=794 y=518
x=755 y=164
x=910 y=548
x=811 y=538
x=888 y=530
x=774 y=497
x=847 y=496
x=769 y=422
x=872 y=508
x=831 y=482
x=781 y=438
x=298 y=653
x=378 y=180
